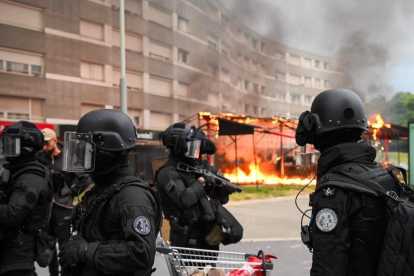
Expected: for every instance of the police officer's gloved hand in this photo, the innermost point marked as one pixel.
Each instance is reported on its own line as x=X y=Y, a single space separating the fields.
x=73 y=252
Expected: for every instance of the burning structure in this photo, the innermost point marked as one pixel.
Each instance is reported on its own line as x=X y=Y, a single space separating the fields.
x=254 y=150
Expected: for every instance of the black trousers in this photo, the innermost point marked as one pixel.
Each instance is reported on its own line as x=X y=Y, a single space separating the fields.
x=57 y=228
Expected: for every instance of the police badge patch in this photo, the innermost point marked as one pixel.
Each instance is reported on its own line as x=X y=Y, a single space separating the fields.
x=142 y=225
x=326 y=220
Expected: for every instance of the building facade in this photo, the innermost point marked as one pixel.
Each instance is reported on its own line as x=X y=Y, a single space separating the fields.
x=60 y=59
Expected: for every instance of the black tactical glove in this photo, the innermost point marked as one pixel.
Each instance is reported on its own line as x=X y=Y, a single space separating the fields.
x=73 y=252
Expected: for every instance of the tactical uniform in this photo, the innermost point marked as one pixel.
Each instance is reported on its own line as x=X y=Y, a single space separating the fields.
x=349 y=222
x=116 y=223
x=128 y=217
x=26 y=205
x=190 y=203
x=180 y=194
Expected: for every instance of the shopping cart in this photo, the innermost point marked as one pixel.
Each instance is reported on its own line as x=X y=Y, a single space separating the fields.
x=183 y=261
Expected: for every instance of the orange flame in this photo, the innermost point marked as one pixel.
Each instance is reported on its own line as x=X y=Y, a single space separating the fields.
x=242 y=177
x=380 y=123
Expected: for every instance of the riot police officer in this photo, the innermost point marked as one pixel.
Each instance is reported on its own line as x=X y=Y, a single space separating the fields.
x=187 y=204
x=348 y=221
x=116 y=223
x=26 y=196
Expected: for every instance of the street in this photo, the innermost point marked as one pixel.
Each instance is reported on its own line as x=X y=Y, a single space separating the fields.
x=272 y=225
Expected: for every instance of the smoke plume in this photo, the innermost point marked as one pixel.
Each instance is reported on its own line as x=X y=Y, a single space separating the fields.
x=370 y=38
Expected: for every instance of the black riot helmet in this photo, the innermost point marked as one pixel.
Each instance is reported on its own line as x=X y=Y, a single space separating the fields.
x=20 y=136
x=104 y=131
x=331 y=110
x=182 y=139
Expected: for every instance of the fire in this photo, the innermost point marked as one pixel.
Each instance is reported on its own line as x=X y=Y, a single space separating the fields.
x=240 y=176
x=380 y=123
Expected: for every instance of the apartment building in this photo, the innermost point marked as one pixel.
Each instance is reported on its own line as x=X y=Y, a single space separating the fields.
x=60 y=59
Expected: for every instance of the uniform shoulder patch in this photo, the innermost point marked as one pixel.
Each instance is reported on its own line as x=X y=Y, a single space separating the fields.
x=142 y=225
x=328 y=192
x=326 y=220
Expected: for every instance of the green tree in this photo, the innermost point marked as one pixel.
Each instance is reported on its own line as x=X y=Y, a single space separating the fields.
x=401 y=108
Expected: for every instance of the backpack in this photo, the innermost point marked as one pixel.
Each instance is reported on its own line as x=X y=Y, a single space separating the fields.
x=397 y=256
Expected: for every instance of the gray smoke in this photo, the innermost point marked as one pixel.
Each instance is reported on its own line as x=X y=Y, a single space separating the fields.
x=370 y=37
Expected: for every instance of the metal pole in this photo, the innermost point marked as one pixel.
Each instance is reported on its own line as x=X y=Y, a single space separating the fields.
x=255 y=162
x=237 y=160
x=123 y=84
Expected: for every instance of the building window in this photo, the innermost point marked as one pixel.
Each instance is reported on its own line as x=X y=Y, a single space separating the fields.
x=212 y=42
x=224 y=21
x=182 y=24
x=226 y=103
x=21 y=62
x=280 y=76
x=160 y=16
x=295 y=99
x=132 y=42
x=17 y=67
x=160 y=86
x=262 y=47
x=36 y=70
x=212 y=11
x=280 y=97
x=295 y=60
x=255 y=44
x=213 y=99
x=182 y=89
x=241 y=107
x=134 y=79
x=21 y=15
x=255 y=110
x=159 y=51
x=326 y=65
x=317 y=63
x=263 y=112
x=263 y=90
x=224 y=49
x=160 y=121
x=326 y=83
x=256 y=88
x=307 y=62
x=308 y=82
x=225 y=75
x=295 y=79
x=317 y=83
x=182 y=56
x=212 y=70
x=247 y=85
x=91 y=30
x=92 y=71
x=308 y=99
x=280 y=55
x=246 y=108
x=132 y=7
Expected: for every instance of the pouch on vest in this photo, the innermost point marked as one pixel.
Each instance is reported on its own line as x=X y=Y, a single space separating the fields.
x=232 y=228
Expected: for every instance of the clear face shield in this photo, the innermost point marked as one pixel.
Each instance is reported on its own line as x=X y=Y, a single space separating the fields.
x=79 y=152
x=193 y=149
x=9 y=146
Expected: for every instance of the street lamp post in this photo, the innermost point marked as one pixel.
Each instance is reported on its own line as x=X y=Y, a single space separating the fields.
x=123 y=84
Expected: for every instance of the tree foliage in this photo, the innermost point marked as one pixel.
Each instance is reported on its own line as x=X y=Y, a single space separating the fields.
x=399 y=110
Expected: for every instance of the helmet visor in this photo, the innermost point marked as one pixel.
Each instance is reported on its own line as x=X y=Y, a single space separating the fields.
x=9 y=146
x=79 y=152
x=193 y=149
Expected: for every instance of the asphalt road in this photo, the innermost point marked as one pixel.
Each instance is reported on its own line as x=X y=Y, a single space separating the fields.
x=272 y=225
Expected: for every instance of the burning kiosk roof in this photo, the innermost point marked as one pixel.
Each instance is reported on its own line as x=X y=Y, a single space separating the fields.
x=255 y=150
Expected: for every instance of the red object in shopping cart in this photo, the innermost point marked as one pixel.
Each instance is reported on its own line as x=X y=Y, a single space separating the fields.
x=256 y=266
